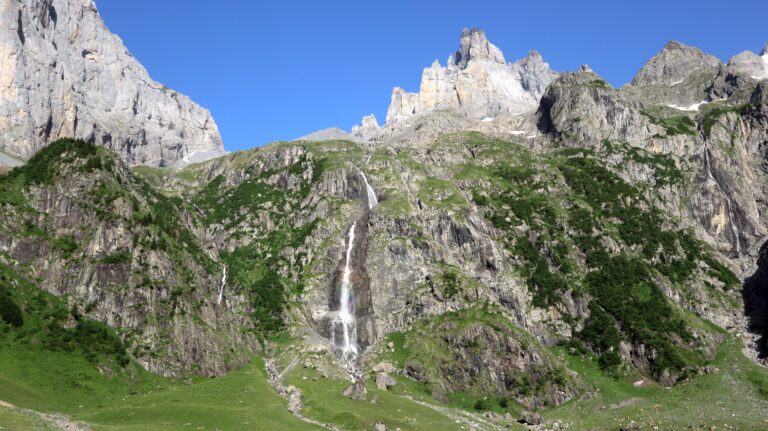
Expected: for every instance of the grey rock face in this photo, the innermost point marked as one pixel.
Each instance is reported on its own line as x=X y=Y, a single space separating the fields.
x=475 y=46
x=674 y=64
x=581 y=105
x=679 y=76
x=477 y=82
x=750 y=64
x=65 y=75
x=366 y=129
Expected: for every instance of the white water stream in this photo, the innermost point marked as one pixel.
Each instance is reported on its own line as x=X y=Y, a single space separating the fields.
x=731 y=217
x=346 y=314
x=372 y=199
x=223 y=284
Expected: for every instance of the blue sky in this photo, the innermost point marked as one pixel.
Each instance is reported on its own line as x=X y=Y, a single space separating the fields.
x=278 y=70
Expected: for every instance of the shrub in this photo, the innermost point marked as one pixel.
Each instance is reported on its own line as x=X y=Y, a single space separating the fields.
x=481 y=405
x=10 y=312
x=451 y=283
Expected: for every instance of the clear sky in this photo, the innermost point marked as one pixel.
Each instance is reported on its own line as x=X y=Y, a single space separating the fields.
x=272 y=70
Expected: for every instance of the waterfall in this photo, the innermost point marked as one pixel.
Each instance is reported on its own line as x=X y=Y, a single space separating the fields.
x=731 y=216
x=346 y=314
x=372 y=200
x=223 y=284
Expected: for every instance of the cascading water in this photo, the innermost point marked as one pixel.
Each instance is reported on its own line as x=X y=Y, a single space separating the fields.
x=223 y=284
x=346 y=314
x=372 y=199
x=729 y=202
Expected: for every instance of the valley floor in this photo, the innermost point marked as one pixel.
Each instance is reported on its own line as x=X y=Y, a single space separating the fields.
x=732 y=397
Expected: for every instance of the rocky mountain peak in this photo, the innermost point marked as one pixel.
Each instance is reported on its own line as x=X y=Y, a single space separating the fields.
x=65 y=75
x=477 y=83
x=475 y=46
x=765 y=49
x=674 y=64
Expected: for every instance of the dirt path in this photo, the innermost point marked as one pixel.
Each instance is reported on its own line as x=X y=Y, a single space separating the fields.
x=474 y=422
x=55 y=420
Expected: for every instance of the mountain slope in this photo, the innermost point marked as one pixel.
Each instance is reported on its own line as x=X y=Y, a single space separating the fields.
x=572 y=261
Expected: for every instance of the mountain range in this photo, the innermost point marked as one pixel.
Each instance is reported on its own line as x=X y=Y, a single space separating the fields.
x=514 y=247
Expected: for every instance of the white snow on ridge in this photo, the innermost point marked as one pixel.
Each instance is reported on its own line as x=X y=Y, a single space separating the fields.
x=694 y=107
x=487 y=119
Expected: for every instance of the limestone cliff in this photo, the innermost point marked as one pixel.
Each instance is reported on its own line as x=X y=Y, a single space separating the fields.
x=63 y=74
x=477 y=82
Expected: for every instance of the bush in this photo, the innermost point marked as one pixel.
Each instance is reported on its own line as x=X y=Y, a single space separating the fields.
x=10 y=312
x=94 y=339
x=451 y=284
x=609 y=360
x=481 y=405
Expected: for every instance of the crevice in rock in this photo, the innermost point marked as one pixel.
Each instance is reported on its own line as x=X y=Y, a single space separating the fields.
x=20 y=30
x=52 y=14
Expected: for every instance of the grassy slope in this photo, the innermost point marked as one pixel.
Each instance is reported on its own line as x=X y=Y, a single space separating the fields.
x=323 y=401
x=67 y=383
x=733 y=397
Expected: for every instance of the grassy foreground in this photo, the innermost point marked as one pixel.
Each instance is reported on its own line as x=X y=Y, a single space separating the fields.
x=66 y=383
x=733 y=397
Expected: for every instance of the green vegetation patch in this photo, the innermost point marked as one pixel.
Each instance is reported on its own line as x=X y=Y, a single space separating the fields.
x=673 y=125
x=443 y=353
x=35 y=317
x=558 y=215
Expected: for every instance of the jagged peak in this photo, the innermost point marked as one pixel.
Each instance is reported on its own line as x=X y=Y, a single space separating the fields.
x=765 y=49
x=675 y=45
x=534 y=54
x=474 y=45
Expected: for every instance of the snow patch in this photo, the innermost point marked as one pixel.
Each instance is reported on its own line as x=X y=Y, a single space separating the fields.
x=676 y=82
x=487 y=119
x=694 y=107
x=517 y=132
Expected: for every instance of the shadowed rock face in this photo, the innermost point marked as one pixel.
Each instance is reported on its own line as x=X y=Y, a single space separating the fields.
x=755 y=296
x=65 y=75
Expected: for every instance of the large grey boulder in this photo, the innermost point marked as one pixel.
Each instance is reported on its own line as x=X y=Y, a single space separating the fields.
x=63 y=74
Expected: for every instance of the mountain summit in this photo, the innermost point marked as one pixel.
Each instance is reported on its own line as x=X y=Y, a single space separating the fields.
x=65 y=75
x=477 y=82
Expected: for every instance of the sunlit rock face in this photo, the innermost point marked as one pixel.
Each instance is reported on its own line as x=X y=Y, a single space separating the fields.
x=65 y=75
x=477 y=82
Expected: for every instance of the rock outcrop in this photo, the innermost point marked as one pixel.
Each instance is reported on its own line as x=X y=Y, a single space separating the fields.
x=65 y=75
x=477 y=82
x=674 y=64
x=750 y=64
